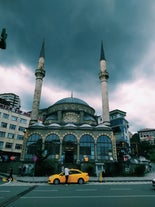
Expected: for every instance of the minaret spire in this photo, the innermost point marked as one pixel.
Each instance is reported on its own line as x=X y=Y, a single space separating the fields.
x=102 y=57
x=42 y=51
x=40 y=74
x=42 y=56
x=103 y=76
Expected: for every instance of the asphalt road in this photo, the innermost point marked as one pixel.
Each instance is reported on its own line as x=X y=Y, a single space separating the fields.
x=91 y=195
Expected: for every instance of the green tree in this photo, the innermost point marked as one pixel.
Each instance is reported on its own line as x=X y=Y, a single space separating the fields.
x=151 y=154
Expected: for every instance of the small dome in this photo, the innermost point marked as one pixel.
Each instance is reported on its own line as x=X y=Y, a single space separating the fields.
x=101 y=126
x=70 y=125
x=51 y=117
x=88 y=118
x=54 y=124
x=85 y=125
x=38 y=124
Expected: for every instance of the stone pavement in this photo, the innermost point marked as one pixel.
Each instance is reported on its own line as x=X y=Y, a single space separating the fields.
x=147 y=178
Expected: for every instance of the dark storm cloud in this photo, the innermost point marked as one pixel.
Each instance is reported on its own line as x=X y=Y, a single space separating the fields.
x=73 y=31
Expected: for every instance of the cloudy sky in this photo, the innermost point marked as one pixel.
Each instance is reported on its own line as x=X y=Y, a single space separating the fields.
x=73 y=31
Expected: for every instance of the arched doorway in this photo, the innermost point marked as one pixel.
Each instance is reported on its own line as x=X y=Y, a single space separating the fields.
x=69 y=148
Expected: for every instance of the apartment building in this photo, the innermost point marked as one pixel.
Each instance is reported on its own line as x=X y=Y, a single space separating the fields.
x=12 y=127
x=147 y=135
x=12 y=99
x=120 y=128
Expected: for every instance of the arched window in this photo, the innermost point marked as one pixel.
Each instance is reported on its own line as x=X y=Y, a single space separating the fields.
x=86 y=147
x=52 y=145
x=69 y=148
x=69 y=140
x=33 y=146
x=104 y=148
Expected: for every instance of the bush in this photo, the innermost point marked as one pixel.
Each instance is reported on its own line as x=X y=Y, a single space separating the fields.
x=113 y=169
x=46 y=167
x=139 y=170
x=89 y=168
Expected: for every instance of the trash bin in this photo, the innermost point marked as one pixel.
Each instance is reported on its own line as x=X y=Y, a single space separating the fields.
x=100 y=177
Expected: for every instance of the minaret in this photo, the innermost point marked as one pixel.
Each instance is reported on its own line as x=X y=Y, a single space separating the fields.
x=103 y=76
x=40 y=74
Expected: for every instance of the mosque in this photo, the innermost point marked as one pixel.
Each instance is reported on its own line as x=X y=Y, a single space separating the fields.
x=70 y=132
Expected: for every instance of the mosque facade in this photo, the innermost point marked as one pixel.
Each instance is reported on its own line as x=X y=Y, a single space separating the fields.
x=70 y=132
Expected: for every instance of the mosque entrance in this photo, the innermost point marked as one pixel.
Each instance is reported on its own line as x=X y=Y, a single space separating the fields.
x=69 y=156
x=69 y=148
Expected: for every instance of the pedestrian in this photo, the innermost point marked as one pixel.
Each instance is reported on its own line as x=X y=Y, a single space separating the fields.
x=66 y=174
x=23 y=170
x=62 y=168
x=10 y=177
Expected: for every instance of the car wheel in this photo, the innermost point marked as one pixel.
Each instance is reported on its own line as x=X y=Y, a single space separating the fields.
x=56 y=181
x=80 y=181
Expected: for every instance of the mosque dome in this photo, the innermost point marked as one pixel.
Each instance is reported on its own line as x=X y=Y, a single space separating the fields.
x=70 y=110
x=71 y=100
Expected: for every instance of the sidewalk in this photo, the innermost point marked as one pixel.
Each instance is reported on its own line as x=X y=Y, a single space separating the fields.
x=147 y=178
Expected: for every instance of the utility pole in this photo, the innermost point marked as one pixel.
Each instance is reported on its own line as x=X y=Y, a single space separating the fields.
x=3 y=39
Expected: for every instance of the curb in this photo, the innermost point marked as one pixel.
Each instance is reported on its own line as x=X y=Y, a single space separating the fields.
x=91 y=181
x=97 y=180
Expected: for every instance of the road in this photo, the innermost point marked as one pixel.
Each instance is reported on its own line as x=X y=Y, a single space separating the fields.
x=91 y=194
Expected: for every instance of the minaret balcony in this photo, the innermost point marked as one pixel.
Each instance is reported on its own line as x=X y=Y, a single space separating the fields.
x=40 y=73
x=103 y=75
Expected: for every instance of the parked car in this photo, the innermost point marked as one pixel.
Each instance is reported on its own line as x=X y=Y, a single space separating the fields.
x=75 y=176
x=153 y=182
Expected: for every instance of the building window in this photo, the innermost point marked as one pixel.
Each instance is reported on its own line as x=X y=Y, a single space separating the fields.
x=11 y=135
x=6 y=116
x=14 y=118
x=8 y=145
x=18 y=146
x=23 y=121
x=20 y=137
x=87 y=147
x=12 y=126
x=52 y=145
x=2 y=134
x=1 y=145
x=21 y=129
x=4 y=124
x=104 y=148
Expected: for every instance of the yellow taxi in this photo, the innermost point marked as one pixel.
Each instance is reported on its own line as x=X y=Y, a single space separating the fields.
x=75 y=176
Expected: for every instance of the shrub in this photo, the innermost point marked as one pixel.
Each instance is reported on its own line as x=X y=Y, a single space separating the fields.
x=139 y=170
x=46 y=167
x=89 y=168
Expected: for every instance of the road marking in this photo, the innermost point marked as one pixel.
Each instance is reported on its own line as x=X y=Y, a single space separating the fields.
x=120 y=189
x=86 y=190
x=15 y=197
x=120 y=183
x=99 y=196
x=45 y=190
